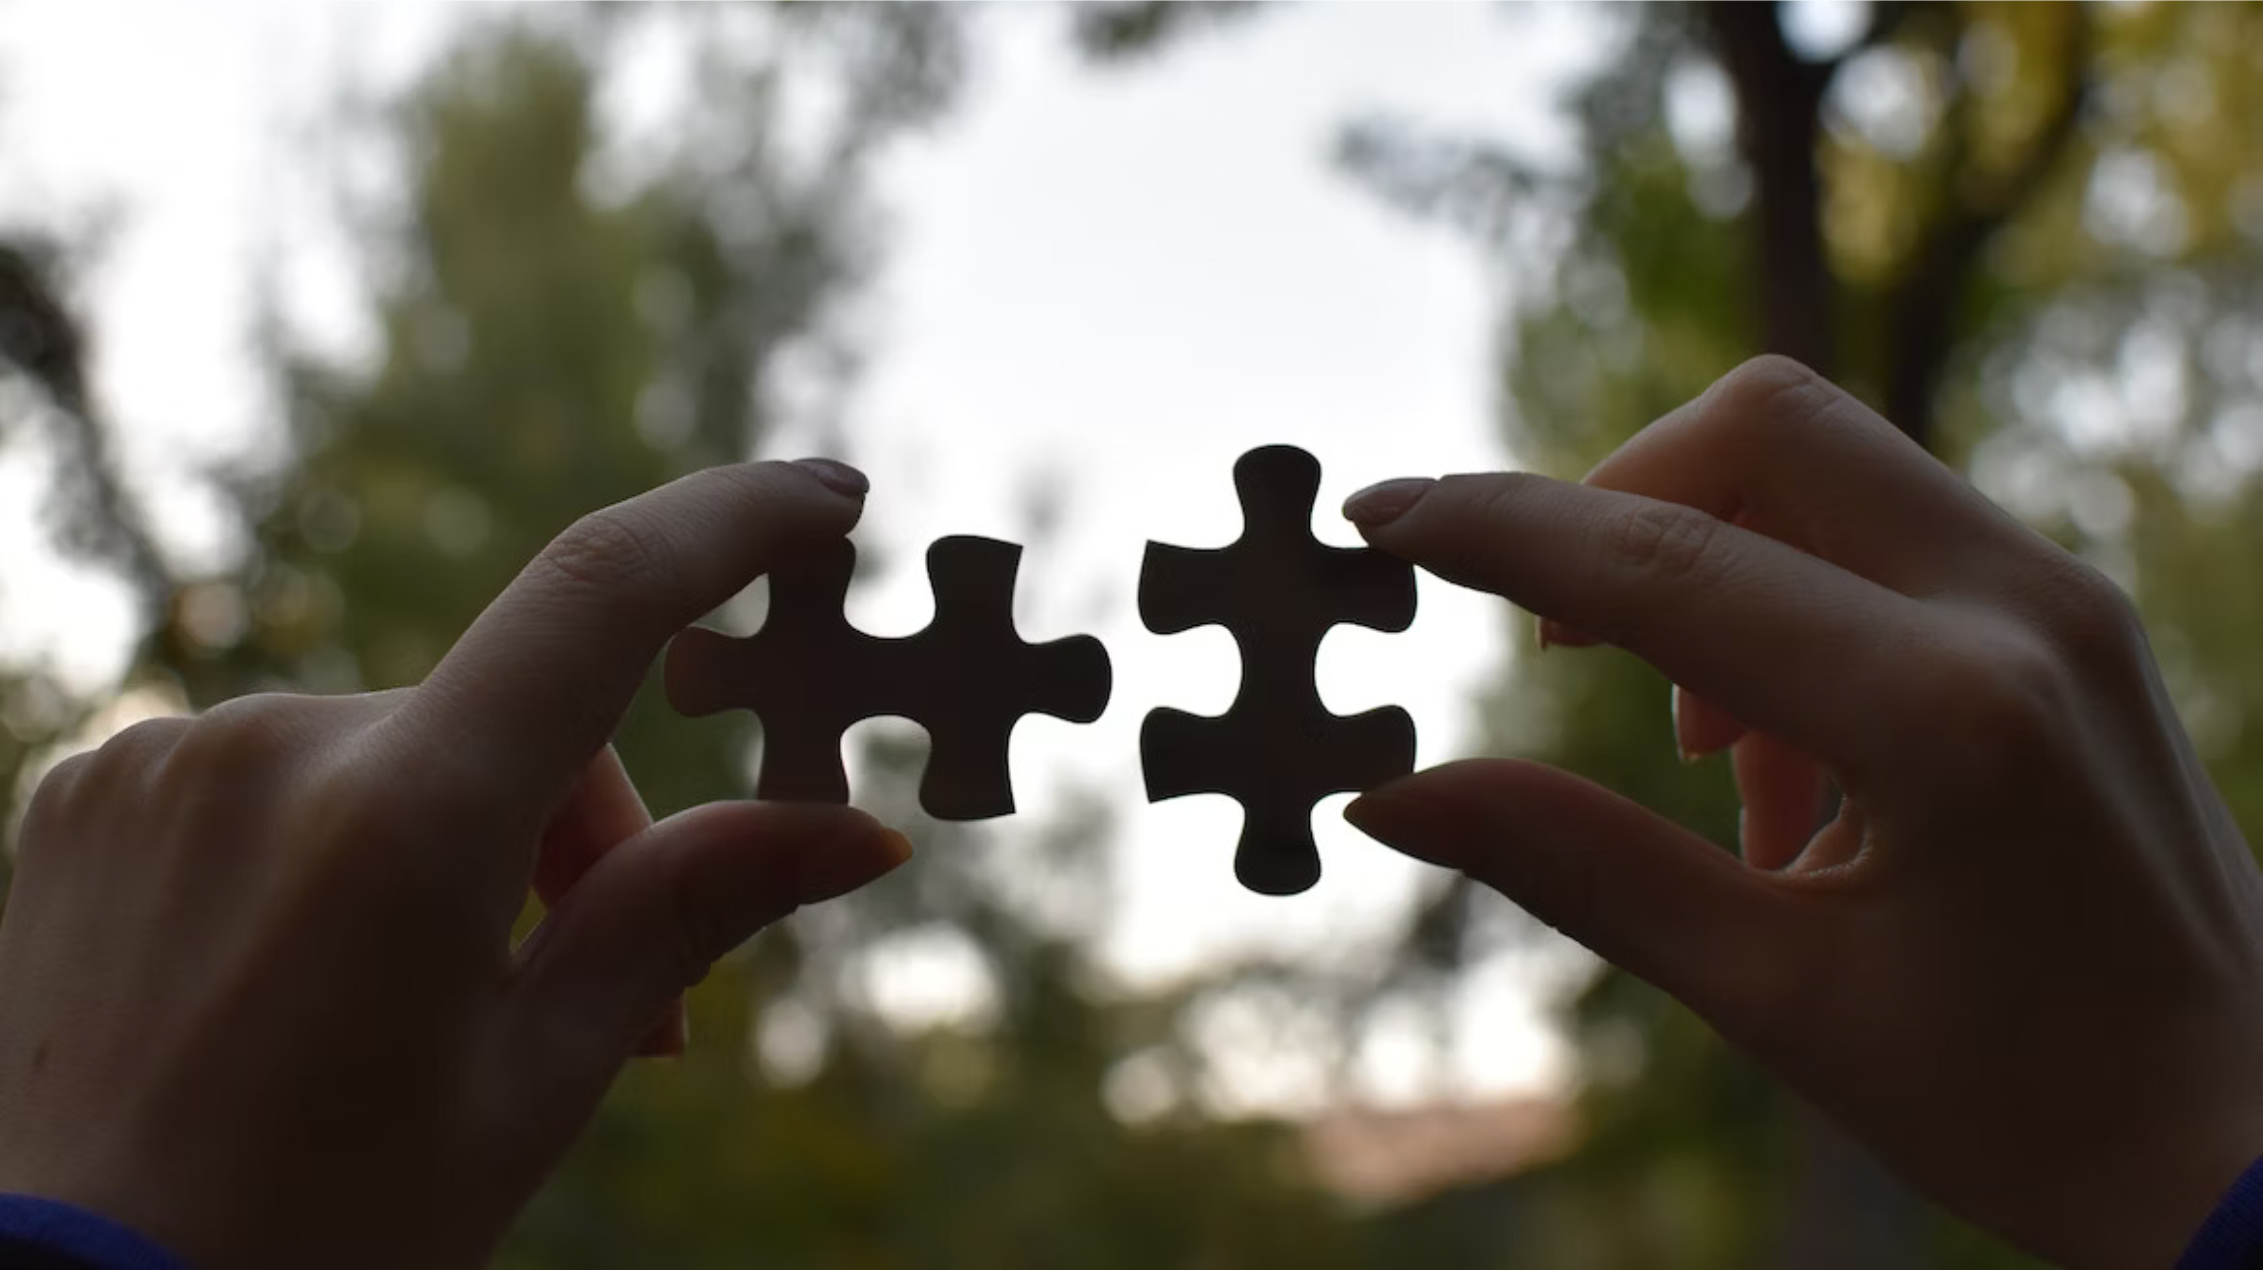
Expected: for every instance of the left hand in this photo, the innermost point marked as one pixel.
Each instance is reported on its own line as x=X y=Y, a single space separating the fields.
x=258 y=999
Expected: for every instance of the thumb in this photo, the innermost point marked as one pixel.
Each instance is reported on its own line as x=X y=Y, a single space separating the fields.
x=654 y=913
x=1642 y=892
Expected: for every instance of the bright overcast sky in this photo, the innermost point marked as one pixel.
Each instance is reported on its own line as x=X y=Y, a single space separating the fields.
x=1115 y=280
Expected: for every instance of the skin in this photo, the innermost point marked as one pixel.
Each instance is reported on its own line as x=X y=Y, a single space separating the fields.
x=2024 y=960
x=258 y=999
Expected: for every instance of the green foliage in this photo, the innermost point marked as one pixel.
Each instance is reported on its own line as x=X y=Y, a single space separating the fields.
x=954 y=1149
x=1119 y=30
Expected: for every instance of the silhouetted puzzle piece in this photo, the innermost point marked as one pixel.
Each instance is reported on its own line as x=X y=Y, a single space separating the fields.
x=967 y=676
x=1277 y=749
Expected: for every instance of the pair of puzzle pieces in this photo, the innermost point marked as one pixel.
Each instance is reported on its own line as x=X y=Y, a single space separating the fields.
x=968 y=677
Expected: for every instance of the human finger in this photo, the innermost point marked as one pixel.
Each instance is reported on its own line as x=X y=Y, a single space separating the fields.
x=1549 y=634
x=538 y=682
x=1781 y=449
x=653 y=914
x=1700 y=728
x=1783 y=640
x=602 y=812
x=1630 y=885
x=1782 y=793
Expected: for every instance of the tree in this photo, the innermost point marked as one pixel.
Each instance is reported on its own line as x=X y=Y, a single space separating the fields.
x=550 y=343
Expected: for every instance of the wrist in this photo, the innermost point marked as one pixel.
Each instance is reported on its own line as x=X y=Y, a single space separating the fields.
x=2177 y=1187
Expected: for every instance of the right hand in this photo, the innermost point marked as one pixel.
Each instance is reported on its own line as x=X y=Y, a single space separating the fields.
x=2025 y=961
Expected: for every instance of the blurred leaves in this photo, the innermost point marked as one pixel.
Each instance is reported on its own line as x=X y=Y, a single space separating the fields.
x=2028 y=232
x=1116 y=31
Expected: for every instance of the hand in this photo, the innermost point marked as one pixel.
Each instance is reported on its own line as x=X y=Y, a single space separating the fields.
x=2025 y=961
x=257 y=994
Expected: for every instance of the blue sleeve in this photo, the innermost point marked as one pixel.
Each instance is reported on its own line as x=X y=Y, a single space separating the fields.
x=36 y=1232
x=2232 y=1236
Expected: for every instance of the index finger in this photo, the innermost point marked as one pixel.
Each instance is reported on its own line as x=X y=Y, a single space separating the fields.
x=1787 y=641
x=1779 y=448
x=539 y=681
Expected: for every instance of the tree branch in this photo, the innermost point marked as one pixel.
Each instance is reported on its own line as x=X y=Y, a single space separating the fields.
x=93 y=513
x=1921 y=310
x=1779 y=122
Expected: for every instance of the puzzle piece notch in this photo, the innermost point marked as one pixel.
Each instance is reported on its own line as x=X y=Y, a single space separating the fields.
x=1186 y=754
x=967 y=677
x=1278 y=750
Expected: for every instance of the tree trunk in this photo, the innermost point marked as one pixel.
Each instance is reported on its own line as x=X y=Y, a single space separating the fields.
x=1844 y=1209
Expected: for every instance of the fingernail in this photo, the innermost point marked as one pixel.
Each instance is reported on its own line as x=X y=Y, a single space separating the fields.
x=837 y=476
x=1407 y=825
x=1553 y=634
x=1684 y=745
x=668 y=1039
x=1363 y=815
x=1385 y=501
x=1373 y=813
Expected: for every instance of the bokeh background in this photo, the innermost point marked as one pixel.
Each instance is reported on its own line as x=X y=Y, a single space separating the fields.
x=316 y=323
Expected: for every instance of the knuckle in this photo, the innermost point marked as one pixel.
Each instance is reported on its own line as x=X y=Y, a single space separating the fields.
x=130 y=763
x=251 y=732
x=2003 y=701
x=1492 y=499
x=143 y=742
x=55 y=800
x=1664 y=541
x=606 y=550
x=249 y=739
x=89 y=798
x=1491 y=493
x=1758 y=383
x=1997 y=708
x=2091 y=619
x=1767 y=400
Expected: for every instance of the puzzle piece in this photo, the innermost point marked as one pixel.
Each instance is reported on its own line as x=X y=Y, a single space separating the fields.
x=1277 y=749
x=967 y=676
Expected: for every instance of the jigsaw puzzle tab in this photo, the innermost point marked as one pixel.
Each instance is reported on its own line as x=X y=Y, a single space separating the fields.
x=1278 y=749
x=968 y=677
